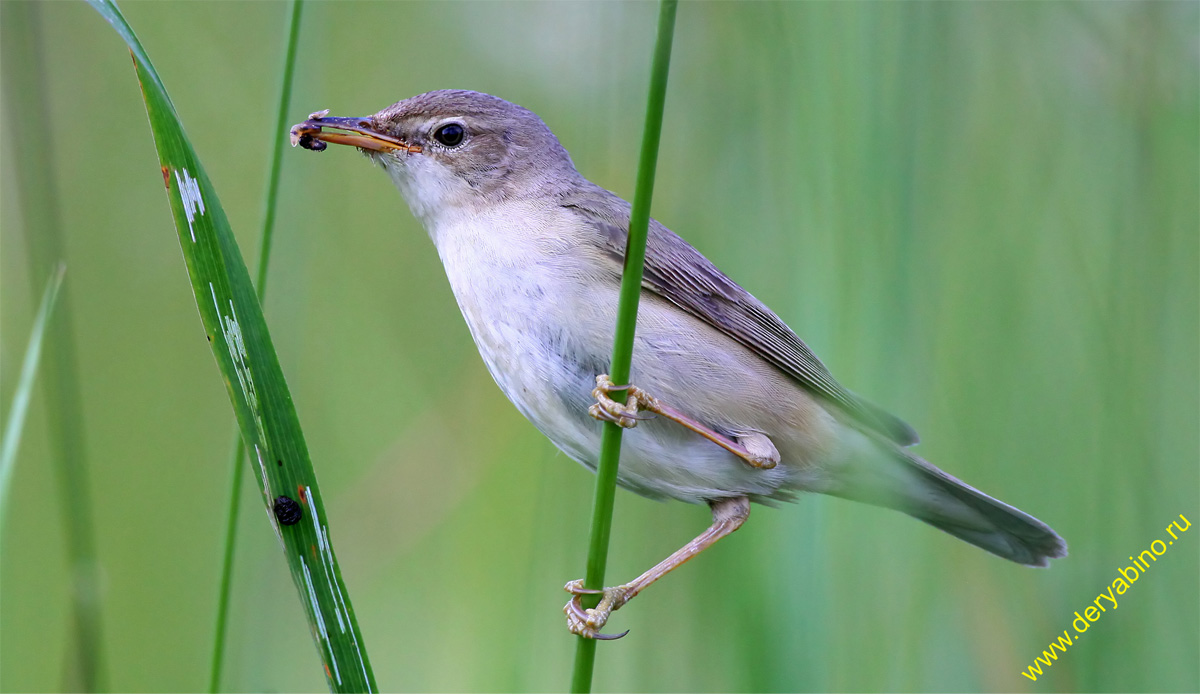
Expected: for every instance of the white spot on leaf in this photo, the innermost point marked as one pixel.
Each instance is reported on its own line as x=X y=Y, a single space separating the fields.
x=262 y=467
x=325 y=552
x=316 y=607
x=326 y=555
x=193 y=202
x=232 y=332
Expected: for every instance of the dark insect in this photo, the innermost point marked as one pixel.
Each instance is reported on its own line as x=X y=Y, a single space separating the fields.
x=287 y=510
x=308 y=142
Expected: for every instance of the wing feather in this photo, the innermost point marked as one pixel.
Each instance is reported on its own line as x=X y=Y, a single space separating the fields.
x=681 y=274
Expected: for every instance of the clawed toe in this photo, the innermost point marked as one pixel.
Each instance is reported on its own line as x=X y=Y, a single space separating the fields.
x=576 y=587
x=586 y=622
x=608 y=410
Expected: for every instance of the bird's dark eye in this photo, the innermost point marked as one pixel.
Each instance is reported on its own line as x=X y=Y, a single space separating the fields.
x=450 y=135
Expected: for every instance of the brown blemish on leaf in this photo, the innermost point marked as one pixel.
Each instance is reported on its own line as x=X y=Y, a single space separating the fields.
x=167 y=182
x=138 y=73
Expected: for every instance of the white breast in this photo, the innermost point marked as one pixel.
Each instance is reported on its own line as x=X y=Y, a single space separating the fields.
x=541 y=306
x=510 y=295
x=544 y=337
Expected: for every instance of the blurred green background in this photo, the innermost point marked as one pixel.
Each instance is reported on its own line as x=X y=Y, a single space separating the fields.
x=982 y=216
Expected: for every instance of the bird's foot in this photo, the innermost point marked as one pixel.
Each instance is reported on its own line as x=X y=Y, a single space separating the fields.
x=586 y=622
x=623 y=414
x=755 y=448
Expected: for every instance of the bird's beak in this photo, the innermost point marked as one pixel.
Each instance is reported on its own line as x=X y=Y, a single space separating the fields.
x=360 y=132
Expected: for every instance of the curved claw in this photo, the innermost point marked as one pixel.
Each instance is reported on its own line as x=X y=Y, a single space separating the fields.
x=598 y=412
x=576 y=587
x=642 y=418
x=585 y=622
x=575 y=610
x=603 y=636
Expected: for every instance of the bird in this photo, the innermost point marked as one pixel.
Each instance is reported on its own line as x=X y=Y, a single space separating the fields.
x=727 y=406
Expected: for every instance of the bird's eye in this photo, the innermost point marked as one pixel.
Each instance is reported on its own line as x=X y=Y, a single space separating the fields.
x=450 y=135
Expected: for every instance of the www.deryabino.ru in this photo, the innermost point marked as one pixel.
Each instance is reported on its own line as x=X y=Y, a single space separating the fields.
x=1108 y=599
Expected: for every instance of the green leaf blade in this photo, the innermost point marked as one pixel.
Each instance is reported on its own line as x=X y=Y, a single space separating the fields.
x=241 y=344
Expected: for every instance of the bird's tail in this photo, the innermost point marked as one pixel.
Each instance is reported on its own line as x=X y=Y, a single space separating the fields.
x=895 y=478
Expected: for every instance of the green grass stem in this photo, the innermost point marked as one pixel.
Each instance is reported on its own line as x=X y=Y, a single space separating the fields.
x=25 y=89
x=236 y=473
x=20 y=403
x=622 y=355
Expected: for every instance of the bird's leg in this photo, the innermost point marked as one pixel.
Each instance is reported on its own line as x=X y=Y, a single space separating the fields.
x=754 y=448
x=728 y=515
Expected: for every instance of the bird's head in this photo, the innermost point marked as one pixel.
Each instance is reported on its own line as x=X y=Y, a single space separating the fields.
x=450 y=148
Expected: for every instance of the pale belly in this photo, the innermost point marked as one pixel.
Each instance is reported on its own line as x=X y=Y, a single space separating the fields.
x=544 y=349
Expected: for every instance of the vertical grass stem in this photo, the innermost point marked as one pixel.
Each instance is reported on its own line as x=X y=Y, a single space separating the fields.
x=237 y=475
x=622 y=356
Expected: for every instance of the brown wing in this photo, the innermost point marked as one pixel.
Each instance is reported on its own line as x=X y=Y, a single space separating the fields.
x=678 y=272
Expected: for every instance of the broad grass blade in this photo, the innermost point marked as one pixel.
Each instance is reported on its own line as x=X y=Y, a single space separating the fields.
x=237 y=333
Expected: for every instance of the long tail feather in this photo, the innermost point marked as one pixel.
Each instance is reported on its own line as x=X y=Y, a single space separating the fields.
x=905 y=482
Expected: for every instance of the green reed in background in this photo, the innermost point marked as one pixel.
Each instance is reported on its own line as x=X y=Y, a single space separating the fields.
x=236 y=472
x=26 y=95
x=14 y=426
